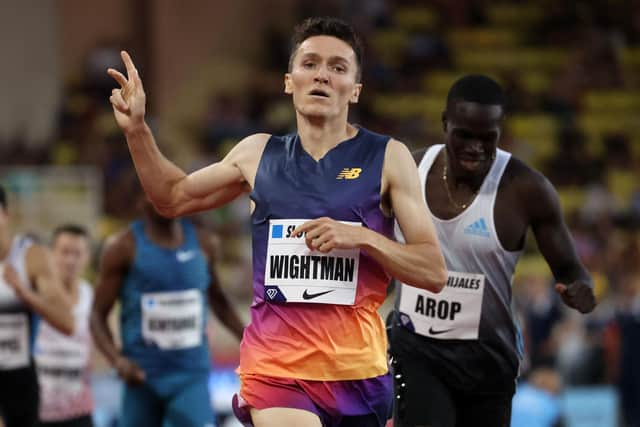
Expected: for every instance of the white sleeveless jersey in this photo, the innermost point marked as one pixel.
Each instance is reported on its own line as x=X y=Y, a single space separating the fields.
x=15 y=318
x=476 y=301
x=63 y=364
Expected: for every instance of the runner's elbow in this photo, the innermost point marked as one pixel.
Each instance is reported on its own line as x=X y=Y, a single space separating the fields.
x=440 y=282
x=167 y=211
x=67 y=326
x=167 y=204
x=434 y=280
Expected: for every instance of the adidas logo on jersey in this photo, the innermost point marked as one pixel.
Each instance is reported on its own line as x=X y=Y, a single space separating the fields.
x=477 y=228
x=349 y=173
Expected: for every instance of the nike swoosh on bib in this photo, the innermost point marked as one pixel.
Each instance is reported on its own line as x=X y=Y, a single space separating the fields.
x=307 y=295
x=438 y=332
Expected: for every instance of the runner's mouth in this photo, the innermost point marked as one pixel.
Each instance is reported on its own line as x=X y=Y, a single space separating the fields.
x=318 y=92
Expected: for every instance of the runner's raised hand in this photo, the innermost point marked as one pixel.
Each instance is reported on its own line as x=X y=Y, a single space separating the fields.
x=129 y=100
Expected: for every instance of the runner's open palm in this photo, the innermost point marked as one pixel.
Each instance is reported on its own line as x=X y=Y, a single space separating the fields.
x=128 y=102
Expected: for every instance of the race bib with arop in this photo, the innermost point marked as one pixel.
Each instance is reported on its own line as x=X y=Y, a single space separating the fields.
x=454 y=313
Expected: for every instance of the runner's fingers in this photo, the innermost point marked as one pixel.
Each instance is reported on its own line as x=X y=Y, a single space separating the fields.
x=137 y=80
x=306 y=227
x=301 y=229
x=312 y=233
x=10 y=275
x=117 y=76
x=315 y=233
x=326 y=246
x=118 y=101
x=116 y=106
x=128 y=63
x=320 y=240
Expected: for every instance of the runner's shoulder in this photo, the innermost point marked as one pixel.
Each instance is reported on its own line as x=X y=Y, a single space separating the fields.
x=530 y=184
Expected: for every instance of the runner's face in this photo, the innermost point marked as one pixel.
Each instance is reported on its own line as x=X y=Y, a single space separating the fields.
x=323 y=76
x=472 y=132
x=71 y=255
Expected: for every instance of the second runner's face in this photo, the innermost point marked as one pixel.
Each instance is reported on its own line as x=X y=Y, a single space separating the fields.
x=71 y=255
x=472 y=133
x=323 y=76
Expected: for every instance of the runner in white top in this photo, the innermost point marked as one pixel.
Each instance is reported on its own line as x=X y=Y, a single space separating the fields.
x=29 y=287
x=63 y=362
x=456 y=354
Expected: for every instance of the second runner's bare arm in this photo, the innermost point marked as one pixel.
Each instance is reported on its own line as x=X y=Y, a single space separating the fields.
x=115 y=261
x=172 y=191
x=48 y=296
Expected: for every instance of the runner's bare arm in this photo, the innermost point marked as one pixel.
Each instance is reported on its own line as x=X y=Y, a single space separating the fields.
x=556 y=245
x=170 y=189
x=221 y=307
x=419 y=261
x=48 y=298
x=115 y=261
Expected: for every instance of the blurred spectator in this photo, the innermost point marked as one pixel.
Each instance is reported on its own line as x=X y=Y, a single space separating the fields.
x=541 y=310
x=227 y=119
x=537 y=402
x=624 y=347
x=572 y=165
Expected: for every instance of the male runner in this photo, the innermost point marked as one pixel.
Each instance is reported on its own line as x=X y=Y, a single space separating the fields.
x=63 y=362
x=161 y=272
x=456 y=354
x=323 y=201
x=29 y=289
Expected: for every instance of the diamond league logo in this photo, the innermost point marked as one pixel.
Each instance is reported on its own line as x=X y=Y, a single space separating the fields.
x=271 y=293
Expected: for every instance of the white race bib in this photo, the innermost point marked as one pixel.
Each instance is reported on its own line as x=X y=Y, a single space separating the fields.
x=454 y=313
x=14 y=341
x=61 y=373
x=172 y=320
x=295 y=274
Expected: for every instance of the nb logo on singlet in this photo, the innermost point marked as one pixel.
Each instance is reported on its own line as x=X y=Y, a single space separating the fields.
x=349 y=173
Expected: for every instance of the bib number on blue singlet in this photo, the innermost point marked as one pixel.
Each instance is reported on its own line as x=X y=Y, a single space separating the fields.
x=172 y=320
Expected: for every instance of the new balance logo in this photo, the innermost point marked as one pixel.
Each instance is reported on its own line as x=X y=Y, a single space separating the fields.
x=349 y=173
x=478 y=228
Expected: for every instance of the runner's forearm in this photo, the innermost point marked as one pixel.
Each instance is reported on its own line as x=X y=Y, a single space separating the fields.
x=103 y=338
x=57 y=313
x=227 y=315
x=416 y=264
x=157 y=174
